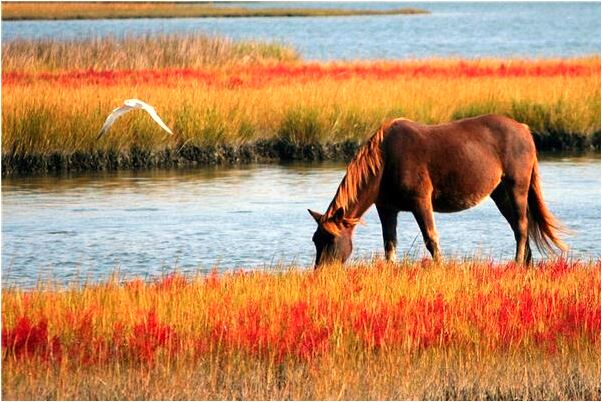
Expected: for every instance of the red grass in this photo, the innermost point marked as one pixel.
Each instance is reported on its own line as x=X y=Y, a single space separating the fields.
x=260 y=76
x=150 y=335
x=27 y=340
x=494 y=318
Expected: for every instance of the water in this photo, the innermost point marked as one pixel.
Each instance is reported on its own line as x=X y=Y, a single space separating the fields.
x=252 y=217
x=469 y=29
x=146 y=222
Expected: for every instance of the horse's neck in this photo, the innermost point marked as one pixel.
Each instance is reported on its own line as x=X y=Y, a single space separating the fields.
x=355 y=208
x=359 y=187
x=359 y=208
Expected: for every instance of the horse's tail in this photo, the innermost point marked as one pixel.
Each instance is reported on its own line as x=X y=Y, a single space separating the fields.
x=544 y=228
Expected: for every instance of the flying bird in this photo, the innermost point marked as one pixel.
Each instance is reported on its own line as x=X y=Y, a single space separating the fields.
x=129 y=105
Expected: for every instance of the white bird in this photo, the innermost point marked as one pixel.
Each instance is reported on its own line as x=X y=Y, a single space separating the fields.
x=129 y=105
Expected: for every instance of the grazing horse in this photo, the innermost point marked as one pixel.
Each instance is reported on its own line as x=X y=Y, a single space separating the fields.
x=408 y=166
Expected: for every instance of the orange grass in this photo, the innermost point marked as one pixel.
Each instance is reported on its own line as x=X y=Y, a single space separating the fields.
x=299 y=103
x=468 y=330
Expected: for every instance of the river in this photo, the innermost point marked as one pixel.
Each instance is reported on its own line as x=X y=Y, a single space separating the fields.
x=467 y=29
x=251 y=217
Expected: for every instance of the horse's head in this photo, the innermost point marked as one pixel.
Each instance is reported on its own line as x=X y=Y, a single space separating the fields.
x=333 y=237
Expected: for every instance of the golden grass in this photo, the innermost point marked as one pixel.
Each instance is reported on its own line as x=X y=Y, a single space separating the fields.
x=98 y=10
x=212 y=91
x=415 y=330
x=66 y=118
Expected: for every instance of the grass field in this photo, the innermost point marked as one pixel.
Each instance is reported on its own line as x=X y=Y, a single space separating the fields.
x=134 y=53
x=99 y=10
x=215 y=92
x=415 y=330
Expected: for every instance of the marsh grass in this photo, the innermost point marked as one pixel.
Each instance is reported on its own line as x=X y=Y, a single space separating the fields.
x=377 y=376
x=139 y=52
x=414 y=330
x=217 y=93
x=99 y=10
x=311 y=112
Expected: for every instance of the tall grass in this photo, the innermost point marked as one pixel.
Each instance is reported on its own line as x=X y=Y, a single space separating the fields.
x=99 y=10
x=415 y=330
x=139 y=52
x=212 y=91
x=223 y=107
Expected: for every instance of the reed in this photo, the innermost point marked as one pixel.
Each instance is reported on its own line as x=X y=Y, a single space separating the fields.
x=99 y=10
x=415 y=330
x=139 y=52
x=193 y=51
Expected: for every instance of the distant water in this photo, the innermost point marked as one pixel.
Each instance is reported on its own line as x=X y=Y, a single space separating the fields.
x=534 y=29
x=249 y=217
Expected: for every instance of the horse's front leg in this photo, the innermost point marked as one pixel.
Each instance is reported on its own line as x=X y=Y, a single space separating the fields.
x=388 y=221
x=423 y=213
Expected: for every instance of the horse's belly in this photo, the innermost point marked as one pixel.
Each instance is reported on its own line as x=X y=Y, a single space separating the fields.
x=457 y=203
x=454 y=197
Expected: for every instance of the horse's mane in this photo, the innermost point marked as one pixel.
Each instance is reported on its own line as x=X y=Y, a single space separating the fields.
x=366 y=163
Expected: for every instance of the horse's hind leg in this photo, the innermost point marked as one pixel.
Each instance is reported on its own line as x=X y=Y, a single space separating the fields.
x=423 y=213
x=504 y=199
x=388 y=221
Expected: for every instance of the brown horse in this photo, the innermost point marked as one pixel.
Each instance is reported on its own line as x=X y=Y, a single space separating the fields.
x=408 y=166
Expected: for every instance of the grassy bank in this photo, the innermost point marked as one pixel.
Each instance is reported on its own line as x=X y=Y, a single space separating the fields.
x=235 y=102
x=415 y=330
x=75 y=10
x=139 y=52
x=299 y=108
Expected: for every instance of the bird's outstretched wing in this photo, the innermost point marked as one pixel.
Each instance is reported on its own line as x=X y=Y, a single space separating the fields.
x=115 y=114
x=153 y=113
x=129 y=105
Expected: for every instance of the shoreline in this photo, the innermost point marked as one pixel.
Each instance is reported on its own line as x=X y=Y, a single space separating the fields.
x=263 y=151
x=19 y=11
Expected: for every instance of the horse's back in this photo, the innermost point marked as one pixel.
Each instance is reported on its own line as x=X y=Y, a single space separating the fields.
x=460 y=162
x=490 y=136
x=488 y=130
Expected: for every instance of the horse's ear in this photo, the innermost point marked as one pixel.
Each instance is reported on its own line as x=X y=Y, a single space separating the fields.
x=316 y=215
x=338 y=216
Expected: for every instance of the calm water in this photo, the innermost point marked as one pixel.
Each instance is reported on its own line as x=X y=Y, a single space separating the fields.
x=146 y=222
x=453 y=29
x=256 y=216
